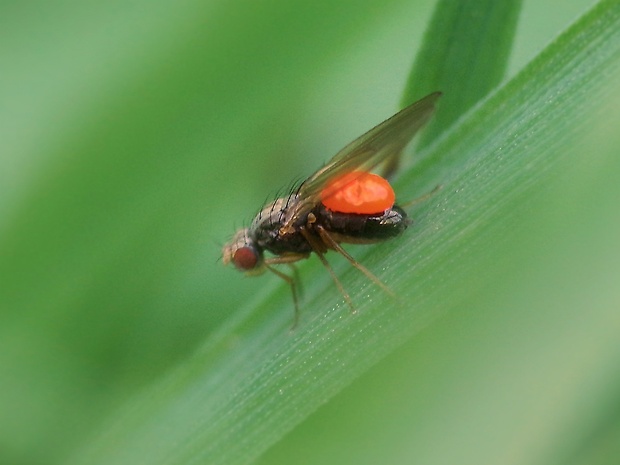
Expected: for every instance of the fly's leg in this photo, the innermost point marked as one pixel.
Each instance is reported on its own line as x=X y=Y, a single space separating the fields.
x=332 y=244
x=297 y=279
x=319 y=249
x=293 y=281
x=422 y=198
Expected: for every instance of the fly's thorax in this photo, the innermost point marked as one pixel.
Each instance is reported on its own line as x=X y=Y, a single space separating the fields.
x=243 y=252
x=272 y=216
x=268 y=232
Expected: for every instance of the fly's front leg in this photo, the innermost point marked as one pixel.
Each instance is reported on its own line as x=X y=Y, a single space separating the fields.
x=292 y=281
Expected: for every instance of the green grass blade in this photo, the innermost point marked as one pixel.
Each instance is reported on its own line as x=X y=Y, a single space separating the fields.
x=465 y=54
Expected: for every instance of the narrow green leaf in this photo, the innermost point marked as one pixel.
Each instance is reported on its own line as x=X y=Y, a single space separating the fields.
x=464 y=55
x=254 y=380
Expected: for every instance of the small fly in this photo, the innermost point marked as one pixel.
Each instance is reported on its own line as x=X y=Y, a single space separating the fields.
x=343 y=202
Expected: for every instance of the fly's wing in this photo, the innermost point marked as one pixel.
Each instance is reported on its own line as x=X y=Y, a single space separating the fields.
x=364 y=153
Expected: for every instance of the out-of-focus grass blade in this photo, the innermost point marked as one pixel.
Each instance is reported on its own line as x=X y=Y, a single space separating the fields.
x=464 y=54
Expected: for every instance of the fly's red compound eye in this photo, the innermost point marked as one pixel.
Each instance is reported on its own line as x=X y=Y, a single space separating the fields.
x=361 y=193
x=245 y=258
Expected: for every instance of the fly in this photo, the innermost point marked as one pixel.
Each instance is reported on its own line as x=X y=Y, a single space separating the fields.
x=343 y=202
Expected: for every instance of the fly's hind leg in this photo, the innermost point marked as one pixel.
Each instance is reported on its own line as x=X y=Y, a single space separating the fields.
x=422 y=198
x=332 y=244
x=292 y=281
x=319 y=248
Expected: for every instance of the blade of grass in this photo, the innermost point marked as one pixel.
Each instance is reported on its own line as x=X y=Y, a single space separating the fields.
x=254 y=381
x=464 y=54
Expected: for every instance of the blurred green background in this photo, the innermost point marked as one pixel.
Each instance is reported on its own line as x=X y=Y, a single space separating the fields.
x=135 y=137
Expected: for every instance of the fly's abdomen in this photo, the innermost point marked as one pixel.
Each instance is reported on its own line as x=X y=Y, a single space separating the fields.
x=353 y=227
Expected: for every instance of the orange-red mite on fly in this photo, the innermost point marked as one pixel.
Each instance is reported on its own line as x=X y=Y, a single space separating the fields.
x=343 y=202
x=358 y=192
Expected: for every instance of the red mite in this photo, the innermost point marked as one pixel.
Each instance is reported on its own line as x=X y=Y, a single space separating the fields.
x=340 y=203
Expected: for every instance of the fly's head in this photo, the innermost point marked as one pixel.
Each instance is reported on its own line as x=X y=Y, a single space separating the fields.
x=243 y=252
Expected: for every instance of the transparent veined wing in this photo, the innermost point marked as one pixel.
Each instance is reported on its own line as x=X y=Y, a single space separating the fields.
x=363 y=154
